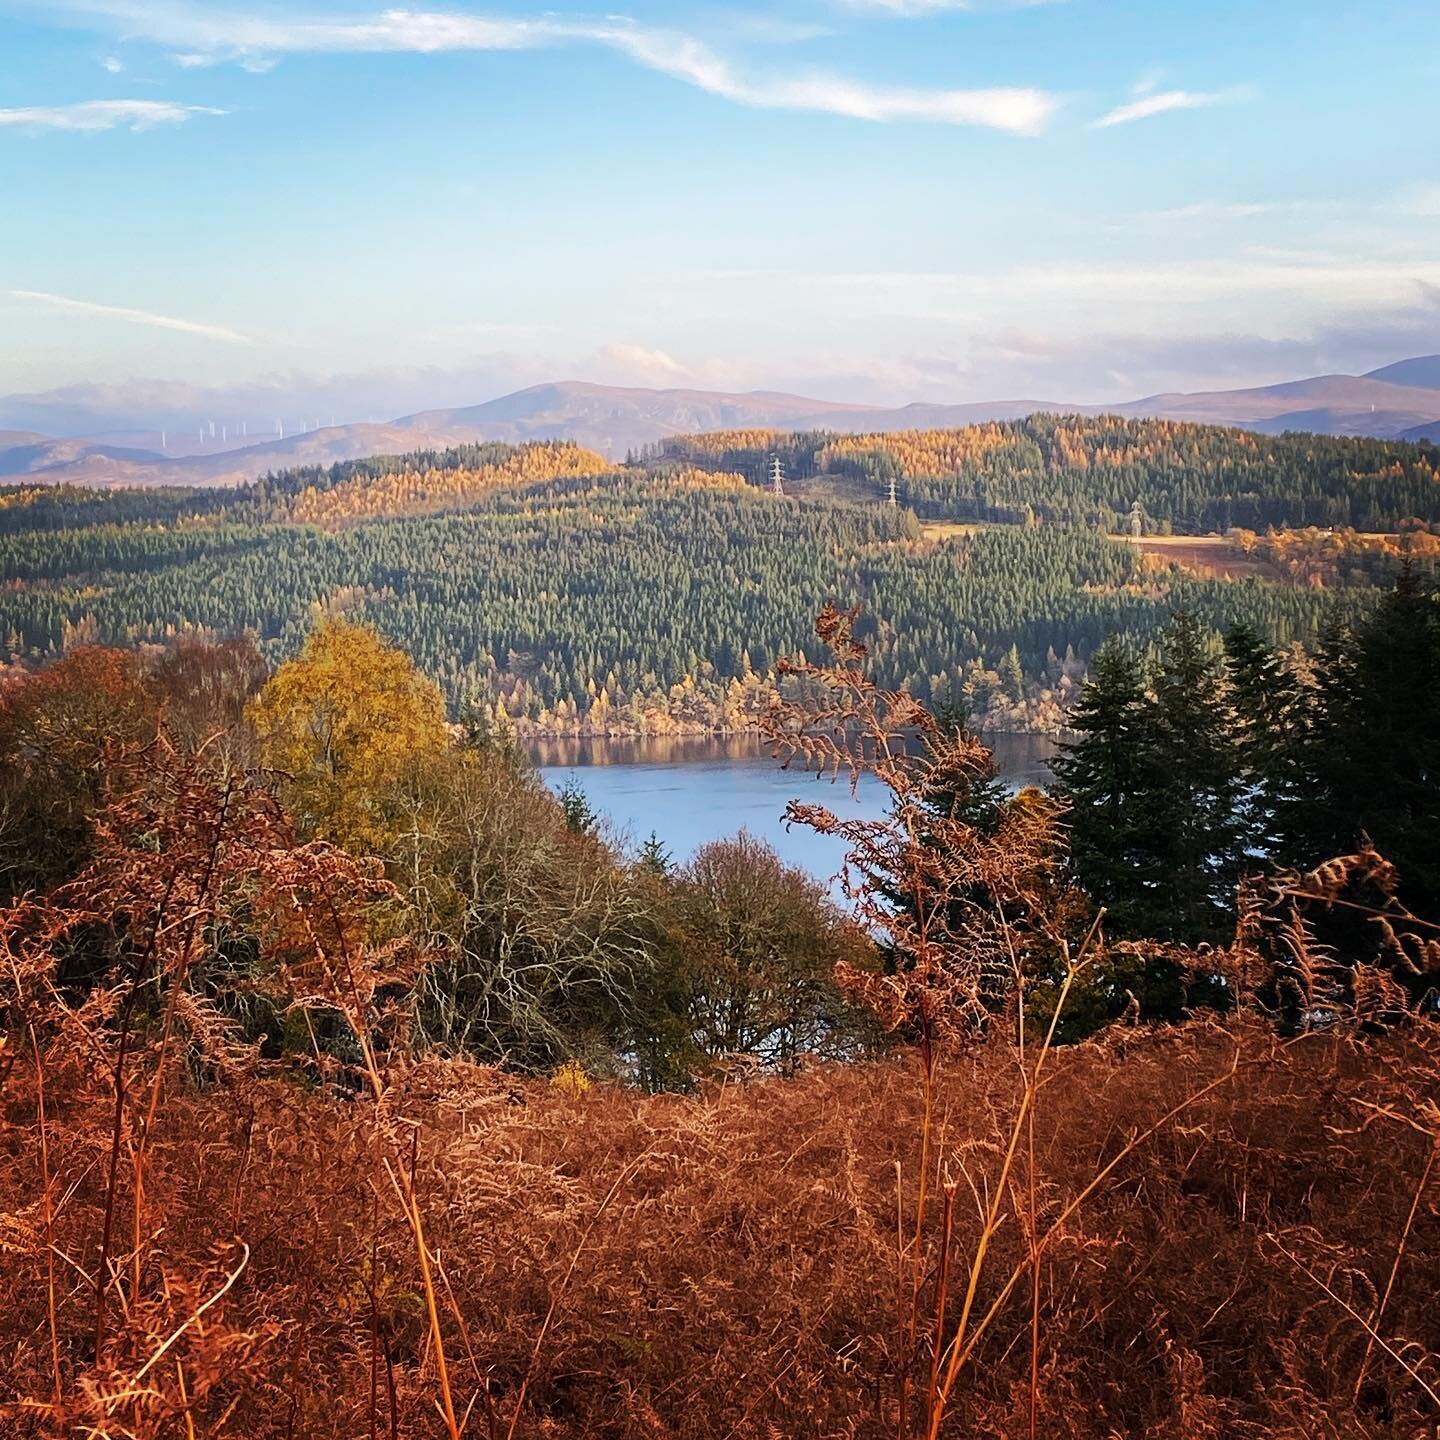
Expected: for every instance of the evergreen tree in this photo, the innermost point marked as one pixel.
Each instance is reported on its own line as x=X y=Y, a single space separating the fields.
x=575 y=805
x=655 y=857
x=1156 y=829
x=1269 y=705
x=1374 y=757
x=1101 y=779
x=1012 y=676
x=972 y=792
x=1192 y=809
x=960 y=786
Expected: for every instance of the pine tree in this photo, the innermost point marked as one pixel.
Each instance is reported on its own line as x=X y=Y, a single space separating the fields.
x=579 y=814
x=1269 y=705
x=1012 y=676
x=655 y=857
x=1192 y=810
x=1375 y=753
x=1100 y=777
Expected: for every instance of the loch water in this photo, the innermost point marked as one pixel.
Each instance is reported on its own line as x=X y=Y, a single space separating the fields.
x=689 y=790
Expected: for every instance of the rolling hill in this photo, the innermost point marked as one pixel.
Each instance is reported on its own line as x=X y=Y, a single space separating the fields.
x=38 y=455
x=608 y=419
x=1400 y=401
x=1422 y=372
x=1326 y=404
x=575 y=593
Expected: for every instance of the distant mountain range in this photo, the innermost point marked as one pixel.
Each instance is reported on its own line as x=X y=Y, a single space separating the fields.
x=1400 y=401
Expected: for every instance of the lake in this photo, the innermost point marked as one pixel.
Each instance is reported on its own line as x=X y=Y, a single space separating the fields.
x=690 y=790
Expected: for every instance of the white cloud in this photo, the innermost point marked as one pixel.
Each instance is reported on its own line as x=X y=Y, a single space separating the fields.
x=1021 y=111
x=637 y=361
x=976 y=360
x=1228 y=209
x=1422 y=199
x=93 y=115
x=112 y=64
x=201 y=38
x=1288 y=289
x=911 y=8
x=908 y=7
x=132 y=317
x=1162 y=102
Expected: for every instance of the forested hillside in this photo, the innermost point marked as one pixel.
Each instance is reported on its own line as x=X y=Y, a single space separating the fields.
x=543 y=588
x=1091 y=470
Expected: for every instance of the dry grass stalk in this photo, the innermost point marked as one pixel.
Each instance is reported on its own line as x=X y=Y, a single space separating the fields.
x=1171 y=1233
x=952 y=904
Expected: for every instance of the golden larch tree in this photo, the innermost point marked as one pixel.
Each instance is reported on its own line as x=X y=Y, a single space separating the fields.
x=343 y=722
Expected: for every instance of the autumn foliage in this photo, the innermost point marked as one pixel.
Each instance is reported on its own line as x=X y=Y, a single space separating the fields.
x=729 y=1263
x=433 y=490
x=341 y=723
x=252 y=1186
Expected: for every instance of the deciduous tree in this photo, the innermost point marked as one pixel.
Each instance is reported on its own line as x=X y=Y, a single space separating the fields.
x=343 y=723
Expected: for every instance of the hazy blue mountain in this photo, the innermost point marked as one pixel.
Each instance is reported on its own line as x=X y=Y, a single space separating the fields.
x=1392 y=403
x=38 y=457
x=1423 y=372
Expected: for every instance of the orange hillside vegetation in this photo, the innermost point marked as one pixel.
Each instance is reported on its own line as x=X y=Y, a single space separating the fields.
x=430 y=491
x=1074 y=442
x=924 y=452
x=724 y=442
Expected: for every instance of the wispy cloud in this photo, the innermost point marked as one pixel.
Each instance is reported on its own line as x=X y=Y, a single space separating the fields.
x=1164 y=292
x=94 y=115
x=910 y=8
x=907 y=7
x=1212 y=210
x=132 y=317
x=207 y=37
x=1162 y=102
x=1230 y=209
x=1021 y=111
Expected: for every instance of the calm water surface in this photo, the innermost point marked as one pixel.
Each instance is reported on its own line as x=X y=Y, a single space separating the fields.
x=690 y=790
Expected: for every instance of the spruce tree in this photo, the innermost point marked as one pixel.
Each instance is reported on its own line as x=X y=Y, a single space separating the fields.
x=1157 y=828
x=1012 y=676
x=1270 y=712
x=1191 y=811
x=580 y=815
x=655 y=857
x=1099 y=776
x=1375 y=751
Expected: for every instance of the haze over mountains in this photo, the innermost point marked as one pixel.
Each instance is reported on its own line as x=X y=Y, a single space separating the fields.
x=1399 y=401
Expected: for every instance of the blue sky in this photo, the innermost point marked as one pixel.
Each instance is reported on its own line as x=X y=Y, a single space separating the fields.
x=872 y=199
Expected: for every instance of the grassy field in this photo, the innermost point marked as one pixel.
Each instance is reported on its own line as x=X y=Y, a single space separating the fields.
x=1209 y=556
x=937 y=530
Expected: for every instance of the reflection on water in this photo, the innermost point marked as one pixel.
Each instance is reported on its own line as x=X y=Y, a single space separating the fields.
x=691 y=789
